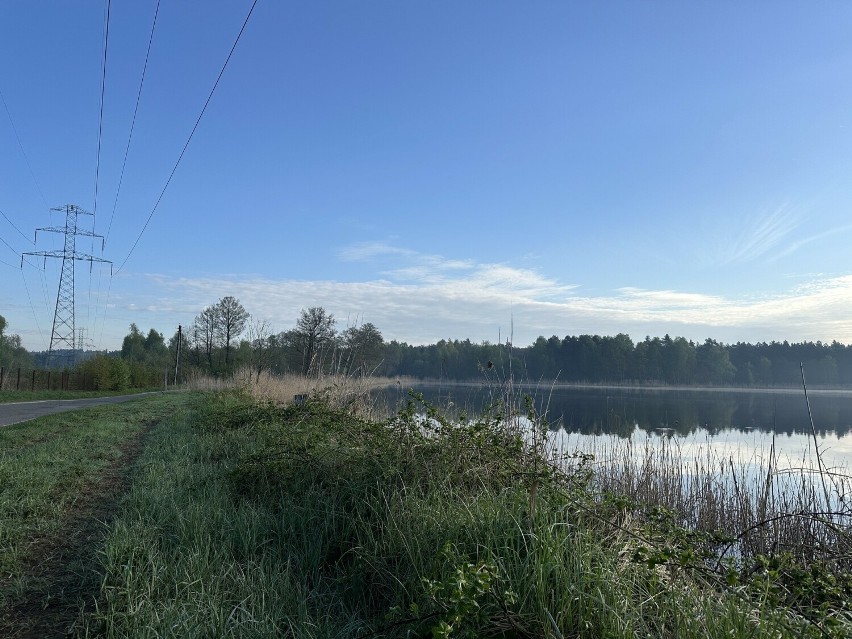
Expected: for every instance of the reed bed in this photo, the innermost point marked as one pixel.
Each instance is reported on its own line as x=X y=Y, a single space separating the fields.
x=762 y=504
x=351 y=392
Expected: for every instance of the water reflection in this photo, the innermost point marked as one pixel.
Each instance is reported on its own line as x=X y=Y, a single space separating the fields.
x=703 y=433
x=683 y=412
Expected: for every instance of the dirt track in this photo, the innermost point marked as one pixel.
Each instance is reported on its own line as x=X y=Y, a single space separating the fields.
x=61 y=577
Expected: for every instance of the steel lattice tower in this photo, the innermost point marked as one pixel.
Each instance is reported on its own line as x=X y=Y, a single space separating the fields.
x=63 y=332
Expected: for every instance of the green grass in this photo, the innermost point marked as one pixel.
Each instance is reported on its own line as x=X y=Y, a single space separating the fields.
x=44 y=465
x=245 y=520
x=9 y=396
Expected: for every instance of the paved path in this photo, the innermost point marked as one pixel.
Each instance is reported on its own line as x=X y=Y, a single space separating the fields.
x=16 y=412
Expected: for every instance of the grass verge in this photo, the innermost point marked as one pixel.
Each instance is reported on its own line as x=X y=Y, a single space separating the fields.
x=59 y=478
x=8 y=396
x=249 y=520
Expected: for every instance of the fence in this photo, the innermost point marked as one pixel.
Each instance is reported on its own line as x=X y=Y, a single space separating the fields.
x=21 y=379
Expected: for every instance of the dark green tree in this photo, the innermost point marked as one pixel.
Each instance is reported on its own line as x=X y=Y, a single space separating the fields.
x=713 y=364
x=12 y=353
x=133 y=345
x=362 y=347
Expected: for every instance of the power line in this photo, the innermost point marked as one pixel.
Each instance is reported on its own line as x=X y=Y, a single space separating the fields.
x=106 y=308
x=124 y=163
x=42 y=279
x=98 y=160
x=11 y=248
x=101 y=115
x=24 y=153
x=32 y=308
x=133 y=122
x=189 y=139
x=16 y=228
x=24 y=260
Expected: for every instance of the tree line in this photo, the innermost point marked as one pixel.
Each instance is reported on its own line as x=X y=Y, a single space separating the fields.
x=316 y=346
x=596 y=359
x=224 y=337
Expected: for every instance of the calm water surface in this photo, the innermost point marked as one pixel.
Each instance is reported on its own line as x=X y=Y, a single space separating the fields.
x=731 y=423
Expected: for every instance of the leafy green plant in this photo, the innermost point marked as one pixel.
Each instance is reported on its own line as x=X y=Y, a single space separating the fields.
x=468 y=598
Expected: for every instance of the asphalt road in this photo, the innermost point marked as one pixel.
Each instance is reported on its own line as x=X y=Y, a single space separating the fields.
x=16 y=412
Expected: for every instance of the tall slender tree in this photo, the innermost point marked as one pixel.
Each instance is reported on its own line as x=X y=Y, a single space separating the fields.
x=231 y=322
x=204 y=329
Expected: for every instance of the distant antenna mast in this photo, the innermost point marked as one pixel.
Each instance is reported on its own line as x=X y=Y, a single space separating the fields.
x=63 y=333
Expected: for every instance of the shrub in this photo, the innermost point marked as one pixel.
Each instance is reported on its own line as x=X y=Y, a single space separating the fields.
x=105 y=373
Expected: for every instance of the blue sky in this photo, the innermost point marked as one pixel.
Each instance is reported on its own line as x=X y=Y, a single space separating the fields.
x=443 y=170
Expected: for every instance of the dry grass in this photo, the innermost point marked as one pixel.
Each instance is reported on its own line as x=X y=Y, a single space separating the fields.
x=767 y=505
x=356 y=393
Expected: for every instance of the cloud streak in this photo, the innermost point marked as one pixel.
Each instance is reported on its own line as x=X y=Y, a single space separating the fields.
x=795 y=246
x=761 y=234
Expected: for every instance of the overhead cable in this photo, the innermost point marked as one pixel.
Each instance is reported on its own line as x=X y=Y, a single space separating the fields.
x=101 y=113
x=32 y=308
x=24 y=153
x=6 y=217
x=133 y=122
x=11 y=248
x=189 y=139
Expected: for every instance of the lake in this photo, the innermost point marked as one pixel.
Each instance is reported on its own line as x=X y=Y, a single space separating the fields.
x=730 y=422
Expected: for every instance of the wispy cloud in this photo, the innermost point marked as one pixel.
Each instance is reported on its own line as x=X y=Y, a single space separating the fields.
x=761 y=234
x=795 y=246
x=475 y=300
x=464 y=277
x=368 y=250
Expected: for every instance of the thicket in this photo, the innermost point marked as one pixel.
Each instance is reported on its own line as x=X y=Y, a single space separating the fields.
x=12 y=354
x=143 y=362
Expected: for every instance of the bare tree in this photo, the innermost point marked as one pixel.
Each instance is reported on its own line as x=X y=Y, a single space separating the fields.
x=314 y=328
x=231 y=321
x=260 y=340
x=204 y=330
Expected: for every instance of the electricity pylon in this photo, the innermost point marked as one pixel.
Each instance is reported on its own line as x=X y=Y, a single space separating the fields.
x=63 y=317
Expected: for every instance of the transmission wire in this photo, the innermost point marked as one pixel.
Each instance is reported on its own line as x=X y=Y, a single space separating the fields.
x=11 y=248
x=16 y=228
x=124 y=163
x=24 y=153
x=98 y=156
x=189 y=139
x=133 y=122
x=32 y=308
x=101 y=113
